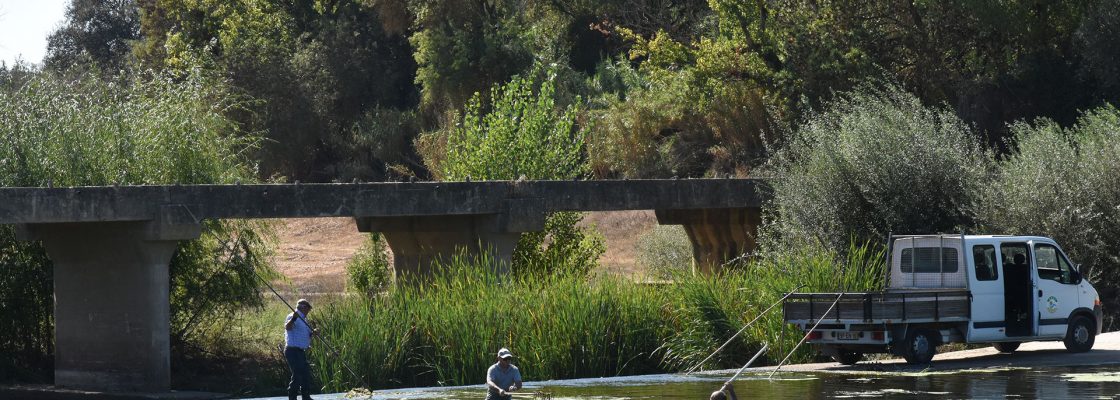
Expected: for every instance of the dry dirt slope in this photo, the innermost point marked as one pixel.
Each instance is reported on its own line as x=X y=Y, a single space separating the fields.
x=313 y=252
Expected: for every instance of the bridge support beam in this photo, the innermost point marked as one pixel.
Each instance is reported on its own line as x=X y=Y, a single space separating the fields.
x=418 y=242
x=717 y=235
x=111 y=309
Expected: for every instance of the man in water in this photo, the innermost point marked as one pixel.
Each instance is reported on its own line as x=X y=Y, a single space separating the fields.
x=727 y=392
x=297 y=339
x=502 y=377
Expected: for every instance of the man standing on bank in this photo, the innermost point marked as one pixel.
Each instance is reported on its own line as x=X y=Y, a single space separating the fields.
x=297 y=340
x=502 y=377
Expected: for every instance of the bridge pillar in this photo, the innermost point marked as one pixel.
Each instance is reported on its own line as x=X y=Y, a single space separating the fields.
x=111 y=303
x=418 y=242
x=717 y=235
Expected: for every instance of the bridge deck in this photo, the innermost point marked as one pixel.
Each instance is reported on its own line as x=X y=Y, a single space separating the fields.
x=138 y=203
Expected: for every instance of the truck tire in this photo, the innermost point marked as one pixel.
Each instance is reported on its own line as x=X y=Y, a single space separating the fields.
x=1006 y=347
x=848 y=357
x=921 y=345
x=1081 y=335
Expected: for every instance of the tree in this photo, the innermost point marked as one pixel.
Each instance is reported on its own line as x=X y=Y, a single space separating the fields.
x=1098 y=40
x=1061 y=182
x=95 y=32
x=91 y=131
x=462 y=47
x=522 y=134
x=320 y=70
x=877 y=161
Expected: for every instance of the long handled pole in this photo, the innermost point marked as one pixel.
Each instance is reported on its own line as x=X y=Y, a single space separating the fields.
x=748 y=325
x=806 y=337
x=337 y=355
x=756 y=355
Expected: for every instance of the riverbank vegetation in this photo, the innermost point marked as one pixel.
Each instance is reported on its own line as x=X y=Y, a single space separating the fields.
x=868 y=117
x=159 y=130
x=568 y=325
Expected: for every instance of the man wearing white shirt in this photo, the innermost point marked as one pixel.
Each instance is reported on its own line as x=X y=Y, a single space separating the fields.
x=297 y=339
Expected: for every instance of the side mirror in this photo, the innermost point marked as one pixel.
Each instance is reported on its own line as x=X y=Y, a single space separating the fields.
x=1075 y=276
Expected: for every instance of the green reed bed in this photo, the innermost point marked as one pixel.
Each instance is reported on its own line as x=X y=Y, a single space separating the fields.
x=447 y=330
x=82 y=130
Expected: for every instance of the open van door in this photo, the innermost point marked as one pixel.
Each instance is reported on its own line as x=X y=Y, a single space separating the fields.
x=1018 y=289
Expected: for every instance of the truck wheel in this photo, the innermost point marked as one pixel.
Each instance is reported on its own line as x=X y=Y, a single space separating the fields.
x=848 y=357
x=1006 y=347
x=1081 y=335
x=921 y=345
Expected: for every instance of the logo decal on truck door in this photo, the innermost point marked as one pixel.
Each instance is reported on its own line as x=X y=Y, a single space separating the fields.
x=1052 y=304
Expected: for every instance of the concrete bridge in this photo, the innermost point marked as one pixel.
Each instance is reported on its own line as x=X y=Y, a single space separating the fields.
x=111 y=245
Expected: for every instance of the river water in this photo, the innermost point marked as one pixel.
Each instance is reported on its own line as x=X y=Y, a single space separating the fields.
x=1081 y=383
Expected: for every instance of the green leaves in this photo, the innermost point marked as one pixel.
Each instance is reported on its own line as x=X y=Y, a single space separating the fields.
x=878 y=161
x=89 y=132
x=1062 y=182
x=522 y=133
x=160 y=130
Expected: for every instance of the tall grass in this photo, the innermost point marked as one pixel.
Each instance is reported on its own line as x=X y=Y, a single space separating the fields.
x=90 y=130
x=569 y=326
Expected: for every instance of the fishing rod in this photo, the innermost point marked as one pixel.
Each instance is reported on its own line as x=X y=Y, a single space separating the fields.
x=330 y=347
x=806 y=337
x=748 y=325
x=756 y=355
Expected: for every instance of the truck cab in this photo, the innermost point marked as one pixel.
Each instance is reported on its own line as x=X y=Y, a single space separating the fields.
x=1025 y=288
x=941 y=289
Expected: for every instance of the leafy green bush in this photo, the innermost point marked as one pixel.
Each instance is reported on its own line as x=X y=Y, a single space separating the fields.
x=369 y=271
x=877 y=161
x=1062 y=183
x=166 y=129
x=520 y=133
x=689 y=110
x=665 y=251
x=523 y=134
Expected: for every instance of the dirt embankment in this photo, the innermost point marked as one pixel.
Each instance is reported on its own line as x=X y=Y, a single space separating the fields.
x=313 y=252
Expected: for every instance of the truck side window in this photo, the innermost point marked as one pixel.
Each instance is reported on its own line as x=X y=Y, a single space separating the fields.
x=985 y=257
x=927 y=260
x=1051 y=264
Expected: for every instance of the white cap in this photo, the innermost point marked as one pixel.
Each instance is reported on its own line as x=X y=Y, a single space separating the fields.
x=504 y=353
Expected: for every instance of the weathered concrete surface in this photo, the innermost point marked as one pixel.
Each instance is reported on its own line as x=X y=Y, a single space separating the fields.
x=47 y=392
x=419 y=242
x=717 y=235
x=111 y=245
x=143 y=203
x=111 y=304
x=1029 y=355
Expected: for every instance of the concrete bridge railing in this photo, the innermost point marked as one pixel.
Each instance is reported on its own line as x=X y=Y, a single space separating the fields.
x=111 y=246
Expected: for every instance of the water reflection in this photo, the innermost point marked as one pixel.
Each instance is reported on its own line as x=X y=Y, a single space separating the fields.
x=1012 y=383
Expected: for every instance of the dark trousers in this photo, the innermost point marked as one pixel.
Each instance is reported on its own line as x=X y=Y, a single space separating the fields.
x=492 y=394
x=301 y=371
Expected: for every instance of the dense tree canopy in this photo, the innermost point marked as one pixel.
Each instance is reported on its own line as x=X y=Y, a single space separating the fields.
x=95 y=32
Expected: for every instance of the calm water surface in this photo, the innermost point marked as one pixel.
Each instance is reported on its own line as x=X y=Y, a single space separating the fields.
x=1022 y=383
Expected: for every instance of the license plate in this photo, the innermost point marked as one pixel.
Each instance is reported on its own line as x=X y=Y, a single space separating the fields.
x=848 y=335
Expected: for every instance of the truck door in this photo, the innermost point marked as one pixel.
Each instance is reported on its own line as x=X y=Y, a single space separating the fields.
x=1057 y=295
x=1018 y=289
x=987 y=294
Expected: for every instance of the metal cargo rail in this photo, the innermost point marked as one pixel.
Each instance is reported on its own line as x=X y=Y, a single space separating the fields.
x=888 y=307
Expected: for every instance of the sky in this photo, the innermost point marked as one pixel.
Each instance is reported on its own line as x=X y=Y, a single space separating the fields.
x=24 y=26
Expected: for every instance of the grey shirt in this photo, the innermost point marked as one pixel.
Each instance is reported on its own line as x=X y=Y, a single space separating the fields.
x=504 y=379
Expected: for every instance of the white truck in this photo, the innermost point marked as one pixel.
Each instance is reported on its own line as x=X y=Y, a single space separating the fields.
x=943 y=289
